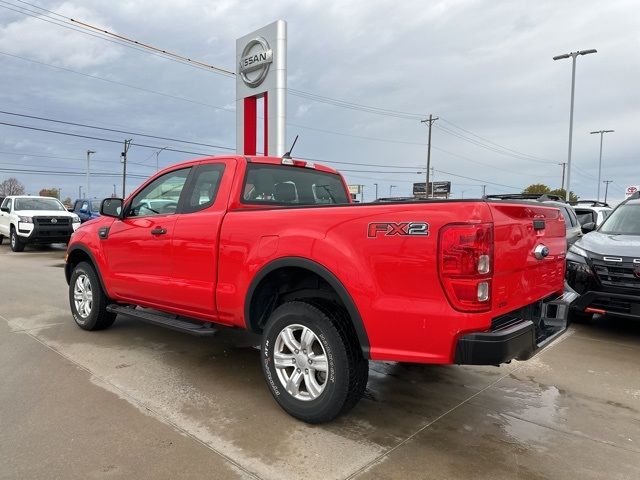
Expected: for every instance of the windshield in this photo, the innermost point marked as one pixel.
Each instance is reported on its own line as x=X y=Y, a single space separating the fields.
x=625 y=220
x=285 y=185
x=38 y=204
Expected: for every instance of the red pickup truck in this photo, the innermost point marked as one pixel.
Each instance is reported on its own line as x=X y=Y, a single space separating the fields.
x=275 y=246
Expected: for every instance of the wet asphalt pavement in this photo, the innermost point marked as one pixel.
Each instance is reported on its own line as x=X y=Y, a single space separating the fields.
x=138 y=401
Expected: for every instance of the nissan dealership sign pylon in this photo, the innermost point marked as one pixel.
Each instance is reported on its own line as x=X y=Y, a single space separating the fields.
x=261 y=76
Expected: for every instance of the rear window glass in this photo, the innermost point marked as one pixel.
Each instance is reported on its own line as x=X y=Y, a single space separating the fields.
x=585 y=216
x=286 y=185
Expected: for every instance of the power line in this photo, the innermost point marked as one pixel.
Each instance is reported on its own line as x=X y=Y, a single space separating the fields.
x=137 y=134
x=332 y=132
x=71 y=24
x=100 y=139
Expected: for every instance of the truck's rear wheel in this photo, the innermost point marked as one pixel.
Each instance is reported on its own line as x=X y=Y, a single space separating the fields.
x=312 y=363
x=87 y=299
x=16 y=244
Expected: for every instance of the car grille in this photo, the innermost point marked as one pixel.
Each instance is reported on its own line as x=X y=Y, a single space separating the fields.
x=59 y=221
x=617 y=274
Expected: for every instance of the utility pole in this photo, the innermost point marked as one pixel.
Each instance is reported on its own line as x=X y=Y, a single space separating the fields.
x=601 y=132
x=606 y=189
x=88 y=192
x=114 y=190
x=564 y=166
x=484 y=190
x=127 y=144
x=573 y=56
x=157 y=155
x=376 y=185
x=429 y=121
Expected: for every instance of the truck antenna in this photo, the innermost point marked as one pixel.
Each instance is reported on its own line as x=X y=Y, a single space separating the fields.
x=288 y=154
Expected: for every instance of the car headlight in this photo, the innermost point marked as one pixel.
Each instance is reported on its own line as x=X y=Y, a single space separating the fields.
x=25 y=219
x=75 y=219
x=578 y=251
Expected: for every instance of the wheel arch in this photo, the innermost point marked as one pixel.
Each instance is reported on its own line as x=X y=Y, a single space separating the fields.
x=77 y=254
x=269 y=276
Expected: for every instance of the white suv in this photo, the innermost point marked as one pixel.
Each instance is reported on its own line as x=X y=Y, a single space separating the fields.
x=41 y=220
x=591 y=211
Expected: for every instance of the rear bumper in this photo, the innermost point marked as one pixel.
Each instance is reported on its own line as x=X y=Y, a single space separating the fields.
x=609 y=303
x=527 y=331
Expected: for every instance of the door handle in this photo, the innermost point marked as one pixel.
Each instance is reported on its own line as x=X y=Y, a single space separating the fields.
x=158 y=231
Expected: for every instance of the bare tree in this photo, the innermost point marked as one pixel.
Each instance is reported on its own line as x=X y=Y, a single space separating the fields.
x=11 y=186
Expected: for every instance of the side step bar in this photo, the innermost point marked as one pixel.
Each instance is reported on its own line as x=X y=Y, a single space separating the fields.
x=180 y=324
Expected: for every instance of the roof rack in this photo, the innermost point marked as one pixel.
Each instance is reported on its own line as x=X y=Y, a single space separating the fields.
x=545 y=197
x=592 y=203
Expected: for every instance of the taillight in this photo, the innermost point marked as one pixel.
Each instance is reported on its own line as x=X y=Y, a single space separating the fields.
x=465 y=265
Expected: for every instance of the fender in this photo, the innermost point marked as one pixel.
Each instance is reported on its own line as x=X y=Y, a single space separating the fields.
x=327 y=276
x=84 y=249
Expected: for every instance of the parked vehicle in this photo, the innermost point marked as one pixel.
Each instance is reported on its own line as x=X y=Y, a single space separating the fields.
x=604 y=265
x=86 y=209
x=574 y=231
x=275 y=246
x=41 y=220
x=591 y=211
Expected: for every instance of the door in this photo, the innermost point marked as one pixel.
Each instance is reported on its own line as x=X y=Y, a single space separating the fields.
x=195 y=240
x=4 y=217
x=138 y=247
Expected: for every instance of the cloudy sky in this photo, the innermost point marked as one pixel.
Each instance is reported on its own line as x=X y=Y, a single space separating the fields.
x=484 y=67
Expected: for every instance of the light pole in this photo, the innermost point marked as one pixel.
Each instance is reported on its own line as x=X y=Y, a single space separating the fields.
x=88 y=192
x=391 y=187
x=157 y=155
x=601 y=132
x=376 y=190
x=573 y=56
x=606 y=188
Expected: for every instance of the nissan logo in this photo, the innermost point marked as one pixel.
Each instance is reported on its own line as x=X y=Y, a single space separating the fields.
x=259 y=60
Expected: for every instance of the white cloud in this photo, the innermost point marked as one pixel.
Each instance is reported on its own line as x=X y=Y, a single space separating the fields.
x=39 y=39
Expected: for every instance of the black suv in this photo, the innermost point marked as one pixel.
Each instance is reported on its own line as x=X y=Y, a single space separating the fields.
x=604 y=266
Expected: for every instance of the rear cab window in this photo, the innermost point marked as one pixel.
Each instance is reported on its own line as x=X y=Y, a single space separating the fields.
x=266 y=184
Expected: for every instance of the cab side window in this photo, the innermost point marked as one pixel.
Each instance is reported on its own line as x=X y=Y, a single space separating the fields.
x=77 y=206
x=7 y=203
x=203 y=188
x=161 y=196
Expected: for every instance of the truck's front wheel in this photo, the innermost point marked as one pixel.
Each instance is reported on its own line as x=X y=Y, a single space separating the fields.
x=312 y=363
x=16 y=244
x=87 y=299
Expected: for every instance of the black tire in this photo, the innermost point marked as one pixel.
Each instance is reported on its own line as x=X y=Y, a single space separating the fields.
x=347 y=370
x=97 y=318
x=579 y=317
x=16 y=244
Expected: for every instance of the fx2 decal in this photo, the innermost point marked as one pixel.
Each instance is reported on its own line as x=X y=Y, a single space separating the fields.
x=390 y=229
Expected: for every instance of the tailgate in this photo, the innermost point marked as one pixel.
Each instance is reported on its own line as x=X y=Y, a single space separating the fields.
x=520 y=276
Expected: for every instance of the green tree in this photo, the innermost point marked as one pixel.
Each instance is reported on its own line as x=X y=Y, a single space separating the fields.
x=561 y=192
x=540 y=188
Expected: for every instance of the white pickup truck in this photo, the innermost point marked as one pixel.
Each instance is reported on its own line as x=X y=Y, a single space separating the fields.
x=41 y=220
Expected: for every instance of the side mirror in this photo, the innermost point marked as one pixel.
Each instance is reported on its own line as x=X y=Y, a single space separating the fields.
x=111 y=207
x=5 y=209
x=588 y=227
